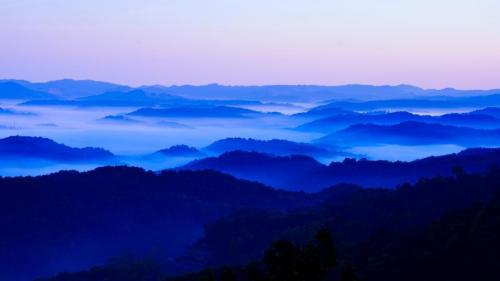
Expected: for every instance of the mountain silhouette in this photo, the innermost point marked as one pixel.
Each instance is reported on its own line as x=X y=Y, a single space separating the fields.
x=491 y=111
x=181 y=151
x=197 y=112
x=323 y=112
x=6 y=111
x=119 y=119
x=288 y=172
x=11 y=90
x=302 y=173
x=338 y=122
x=412 y=133
x=133 y=98
x=74 y=220
x=275 y=147
x=440 y=100
x=377 y=229
x=129 y=98
x=314 y=93
x=19 y=147
x=70 y=88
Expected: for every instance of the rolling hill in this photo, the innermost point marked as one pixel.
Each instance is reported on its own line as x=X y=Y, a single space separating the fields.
x=342 y=121
x=412 y=133
x=11 y=90
x=74 y=220
x=22 y=147
x=198 y=112
x=302 y=173
x=275 y=147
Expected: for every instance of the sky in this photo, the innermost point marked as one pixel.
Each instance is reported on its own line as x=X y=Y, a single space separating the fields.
x=428 y=43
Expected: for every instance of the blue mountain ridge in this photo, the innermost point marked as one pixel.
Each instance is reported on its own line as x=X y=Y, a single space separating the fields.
x=412 y=133
x=19 y=147
x=303 y=173
x=476 y=119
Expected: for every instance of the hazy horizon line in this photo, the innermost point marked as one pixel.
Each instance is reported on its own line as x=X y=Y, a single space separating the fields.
x=246 y=85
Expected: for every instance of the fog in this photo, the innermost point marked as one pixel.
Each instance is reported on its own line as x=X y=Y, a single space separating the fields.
x=403 y=152
x=135 y=141
x=132 y=141
x=80 y=127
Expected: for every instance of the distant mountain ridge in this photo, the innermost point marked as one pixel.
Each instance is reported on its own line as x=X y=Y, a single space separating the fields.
x=476 y=119
x=276 y=147
x=181 y=151
x=303 y=93
x=440 y=100
x=412 y=133
x=72 y=89
x=199 y=112
x=19 y=147
x=7 y=111
x=491 y=111
x=132 y=98
x=119 y=119
x=11 y=90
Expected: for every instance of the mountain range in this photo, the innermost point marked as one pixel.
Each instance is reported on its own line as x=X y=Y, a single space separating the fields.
x=302 y=173
x=376 y=229
x=308 y=93
x=440 y=100
x=412 y=133
x=200 y=112
x=71 y=89
x=73 y=220
x=23 y=147
x=75 y=89
x=476 y=119
x=274 y=147
x=181 y=151
x=7 y=111
x=11 y=90
x=441 y=228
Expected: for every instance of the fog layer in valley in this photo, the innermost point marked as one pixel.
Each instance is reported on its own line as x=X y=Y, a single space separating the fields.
x=133 y=139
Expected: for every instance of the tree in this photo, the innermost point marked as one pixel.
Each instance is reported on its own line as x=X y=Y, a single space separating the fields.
x=227 y=275
x=458 y=171
x=348 y=274
x=290 y=262
x=207 y=276
x=282 y=259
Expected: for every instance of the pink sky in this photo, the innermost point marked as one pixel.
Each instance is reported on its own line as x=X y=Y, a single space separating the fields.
x=424 y=43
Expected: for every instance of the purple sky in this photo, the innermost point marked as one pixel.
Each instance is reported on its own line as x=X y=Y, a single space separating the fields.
x=429 y=43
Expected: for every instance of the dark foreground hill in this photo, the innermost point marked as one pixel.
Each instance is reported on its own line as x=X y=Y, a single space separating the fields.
x=287 y=172
x=306 y=174
x=69 y=220
x=383 y=233
x=463 y=245
x=438 y=229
